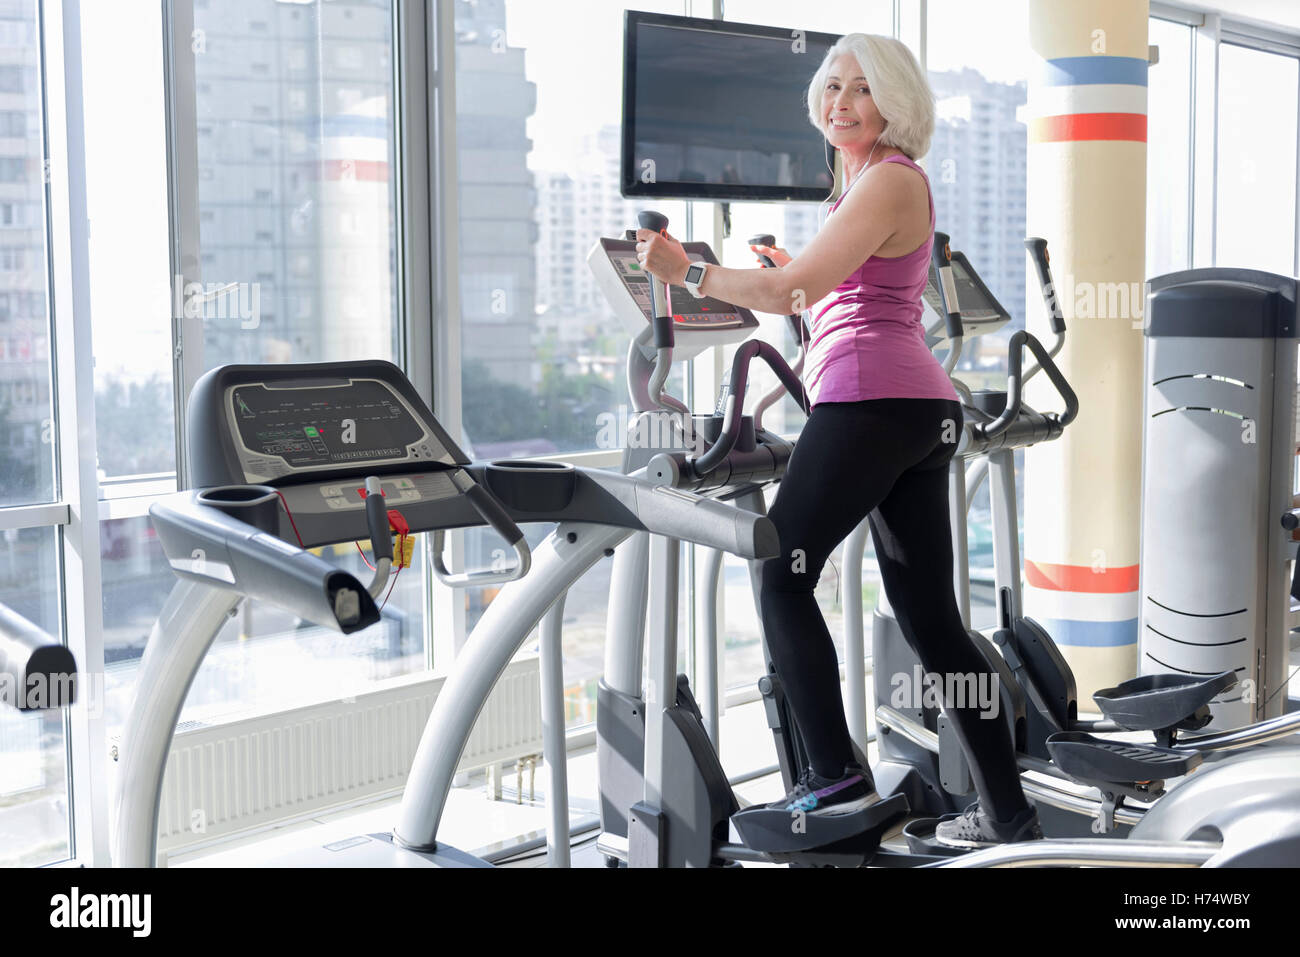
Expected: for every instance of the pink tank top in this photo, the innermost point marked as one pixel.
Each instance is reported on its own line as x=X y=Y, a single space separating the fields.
x=867 y=338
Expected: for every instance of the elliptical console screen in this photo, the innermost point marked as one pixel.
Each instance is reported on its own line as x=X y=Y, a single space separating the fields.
x=705 y=313
x=977 y=304
x=361 y=422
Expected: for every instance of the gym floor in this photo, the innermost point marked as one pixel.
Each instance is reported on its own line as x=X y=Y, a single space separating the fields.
x=474 y=823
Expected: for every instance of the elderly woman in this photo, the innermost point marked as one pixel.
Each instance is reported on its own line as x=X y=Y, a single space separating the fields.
x=884 y=425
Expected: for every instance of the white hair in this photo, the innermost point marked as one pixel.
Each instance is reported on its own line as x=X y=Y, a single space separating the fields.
x=899 y=88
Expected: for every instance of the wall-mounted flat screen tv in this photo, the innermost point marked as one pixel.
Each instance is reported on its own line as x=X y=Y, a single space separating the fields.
x=719 y=110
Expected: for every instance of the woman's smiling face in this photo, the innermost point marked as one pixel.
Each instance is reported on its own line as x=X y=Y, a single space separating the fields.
x=849 y=115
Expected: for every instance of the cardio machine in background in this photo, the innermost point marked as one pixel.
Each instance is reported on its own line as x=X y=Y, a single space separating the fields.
x=1079 y=780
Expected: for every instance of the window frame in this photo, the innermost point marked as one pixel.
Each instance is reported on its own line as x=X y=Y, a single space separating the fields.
x=75 y=512
x=1210 y=32
x=428 y=303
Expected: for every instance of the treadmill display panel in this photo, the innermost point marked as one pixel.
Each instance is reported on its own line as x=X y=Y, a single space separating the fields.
x=360 y=422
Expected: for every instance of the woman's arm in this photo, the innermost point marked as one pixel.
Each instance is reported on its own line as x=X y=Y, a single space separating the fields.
x=869 y=216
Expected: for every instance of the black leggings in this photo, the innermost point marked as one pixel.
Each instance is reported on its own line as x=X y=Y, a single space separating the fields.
x=887 y=458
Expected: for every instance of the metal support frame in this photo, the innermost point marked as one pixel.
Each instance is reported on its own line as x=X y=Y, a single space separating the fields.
x=958 y=506
x=1006 y=539
x=661 y=684
x=625 y=615
x=557 y=563
x=190 y=619
x=855 y=655
x=72 y=377
x=708 y=670
x=554 y=753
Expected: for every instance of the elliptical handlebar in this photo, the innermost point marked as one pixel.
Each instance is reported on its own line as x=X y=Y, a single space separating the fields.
x=794 y=321
x=941 y=258
x=1037 y=248
x=735 y=399
x=764 y=239
x=1056 y=318
x=661 y=304
x=661 y=329
x=1021 y=340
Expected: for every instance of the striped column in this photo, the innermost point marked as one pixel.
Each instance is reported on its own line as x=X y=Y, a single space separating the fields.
x=1087 y=198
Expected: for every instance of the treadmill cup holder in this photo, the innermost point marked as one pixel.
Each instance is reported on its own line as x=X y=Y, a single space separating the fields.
x=530 y=486
x=256 y=505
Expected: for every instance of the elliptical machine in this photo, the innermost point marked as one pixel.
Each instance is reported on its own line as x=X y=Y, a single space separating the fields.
x=686 y=809
x=665 y=799
x=1079 y=781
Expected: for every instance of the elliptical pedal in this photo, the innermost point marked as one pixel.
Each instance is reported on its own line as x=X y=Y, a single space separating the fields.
x=789 y=836
x=1090 y=758
x=1163 y=702
x=1119 y=769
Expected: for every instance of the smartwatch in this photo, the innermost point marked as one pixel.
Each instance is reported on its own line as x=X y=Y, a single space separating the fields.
x=695 y=276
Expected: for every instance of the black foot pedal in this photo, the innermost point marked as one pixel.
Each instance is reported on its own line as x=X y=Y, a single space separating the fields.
x=778 y=831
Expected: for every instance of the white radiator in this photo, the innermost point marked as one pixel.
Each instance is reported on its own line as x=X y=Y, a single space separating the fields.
x=269 y=769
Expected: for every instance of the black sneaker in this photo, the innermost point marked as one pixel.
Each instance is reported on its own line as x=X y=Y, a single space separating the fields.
x=813 y=794
x=974 y=829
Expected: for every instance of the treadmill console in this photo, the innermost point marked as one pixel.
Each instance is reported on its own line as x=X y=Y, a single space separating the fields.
x=292 y=431
x=315 y=432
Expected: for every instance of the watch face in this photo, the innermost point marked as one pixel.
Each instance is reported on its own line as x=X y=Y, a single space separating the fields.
x=694 y=273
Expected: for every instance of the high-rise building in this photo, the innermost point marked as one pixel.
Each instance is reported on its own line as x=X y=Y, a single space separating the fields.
x=976 y=167
x=497 y=195
x=26 y=464
x=298 y=100
x=575 y=207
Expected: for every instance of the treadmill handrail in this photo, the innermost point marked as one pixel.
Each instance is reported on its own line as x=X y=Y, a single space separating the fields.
x=205 y=544
x=37 y=671
x=495 y=515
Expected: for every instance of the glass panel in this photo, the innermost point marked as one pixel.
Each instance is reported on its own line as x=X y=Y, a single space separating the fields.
x=1169 y=148
x=1256 y=174
x=584 y=626
x=297 y=228
x=979 y=547
x=34 y=814
x=978 y=68
x=825 y=16
x=742 y=646
x=583 y=643
x=26 y=402
x=296 y=192
x=263 y=658
x=126 y=192
x=538 y=140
